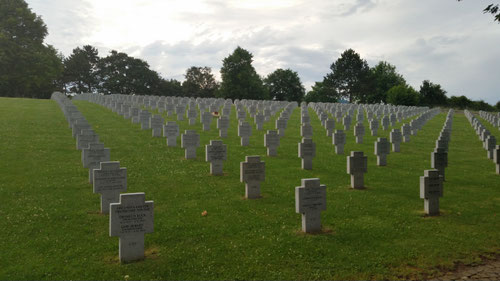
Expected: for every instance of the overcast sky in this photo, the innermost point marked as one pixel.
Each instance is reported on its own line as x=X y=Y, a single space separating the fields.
x=447 y=42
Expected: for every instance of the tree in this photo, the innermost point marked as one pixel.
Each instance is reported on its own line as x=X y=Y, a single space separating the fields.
x=28 y=67
x=432 y=94
x=320 y=93
x=493 y=9
x=481 y=105
x=119 y=73
x=383 y=77
x=80 y=70
x=350 y=76
x=402 y=95
x=284 y=84
x=200 y=82
x=461 y=102
x=497 y=106
x=239 y=78
x=170 y=87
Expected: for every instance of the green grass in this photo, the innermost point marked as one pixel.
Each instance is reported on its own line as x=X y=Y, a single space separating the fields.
x=51 y=228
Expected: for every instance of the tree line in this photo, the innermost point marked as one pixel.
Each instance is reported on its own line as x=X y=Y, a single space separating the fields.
x=31 y=68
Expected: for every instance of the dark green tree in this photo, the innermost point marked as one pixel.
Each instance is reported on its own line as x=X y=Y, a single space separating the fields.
x=402 y=95
x=383 y=78
x=432 y=94
x=350 y=76
x=170 y=87
x=239 y=78
x=461 y=102
x=119 y=73
x=284 y=85
x=80 y=70
x=497 y=106
x=200 y=82
x=28 y=67
x=320 y=93
x=481 y=105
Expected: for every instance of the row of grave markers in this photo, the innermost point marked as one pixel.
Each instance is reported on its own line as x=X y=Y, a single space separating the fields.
x=488 y=140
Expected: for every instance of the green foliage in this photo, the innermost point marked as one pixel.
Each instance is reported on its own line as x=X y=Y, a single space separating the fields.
x=383 y=78
x=119 y=73
x=402 y=95
x=284 y=85
x=320 y=93
x=80 y=70
x=461 y=102
x=28 y=68
x=200 y=82
x=432 y=94
x=170 y=87
x=481 y=105
x=239 y=78
x=497 y=106
x=350 y=76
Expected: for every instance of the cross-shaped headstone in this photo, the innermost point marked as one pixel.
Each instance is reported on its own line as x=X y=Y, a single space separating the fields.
x=406 y=131
x=79 y=125
x=306 y=130
x=385 y=123
x=496 y=158
x=244 y=132
x=329 y=126
x=272 y=142
x=156 y=124
x=85 y=137
x=338 y=139
x=281 y=126
x=180 y=110
x=241 y=115
x=171 y=131
x=130 y=219
x=490 y=145
x=359 y=132
x=439 y=160
x=259 y=120
x=144 y=116
x=357 y=166
x=382 y=148
x=170 y=108
x=374 y=126
x=310 y=200
x=307 y=151
x=192 y=114
x=93 y=155
x=252 y=172
x=190 y=140
x=396 y=139
x=206 y=120
x=431 y=188
x=109 y=181
x=223 y=125
x=347 y=122
x=216 y=154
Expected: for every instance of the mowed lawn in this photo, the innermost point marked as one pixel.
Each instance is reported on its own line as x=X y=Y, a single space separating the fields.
x=51 y=227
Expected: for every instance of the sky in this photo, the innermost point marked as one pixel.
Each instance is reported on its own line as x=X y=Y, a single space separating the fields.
x=447 y=42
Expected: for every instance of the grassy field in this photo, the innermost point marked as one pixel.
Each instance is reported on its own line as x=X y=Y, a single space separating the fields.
x=51 y=227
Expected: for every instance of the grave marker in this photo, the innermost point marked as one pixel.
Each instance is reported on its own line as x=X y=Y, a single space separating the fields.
x=272 y=142
x=252 y=172
x=396 y=139
x=171 y=131
x=310 y=200
x=382 y=148
x=244 y=132
x=359 y=132
x=338 y=139
x=431 y=188
x=156 y=124
x=307 y=151
x=439 y=160
x=357 y=165
x=109 y=181
x=190 y=140
x=216 y=154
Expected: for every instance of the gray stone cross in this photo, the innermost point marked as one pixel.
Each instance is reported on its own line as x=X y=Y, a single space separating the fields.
x=357 y=166
x=431 y=188
x=190 y=140
x=252 y=172
x=109 y=181
x=216 y=154
x=310 y=200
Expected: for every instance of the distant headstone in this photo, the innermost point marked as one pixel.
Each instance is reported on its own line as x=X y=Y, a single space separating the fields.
x=85 y=137
x=216 y=154
x=385 y=122
x=190 y=140
x=496 y=158
x=306 y=130
x=330 y=127
x=180 y=110
x=338 y=139
x=490 y=145
x=406 y=131
x=431 y=188
x=130 y=219
x=396 y=139
x=382 y=148
x=307 y=151
x=359 y=132
x=252 y=172
x=144 y=116
x=244 y=132
x=259 y=120
x=223 y=125
x=374 y=126
x=310 y=200
x=206 y=120
x=171 y=131
x=281 y=126
x=109 y=181
x=156 y=124
x=192 y=114
x=347 y=122
x=439 y=160
x=357 y=166
x=272 y=142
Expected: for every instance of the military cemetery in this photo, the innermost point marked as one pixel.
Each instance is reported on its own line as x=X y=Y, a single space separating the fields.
x=116 y=167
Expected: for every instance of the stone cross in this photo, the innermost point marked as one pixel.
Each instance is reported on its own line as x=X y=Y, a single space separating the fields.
x=241 y=115
x=396 y=138
x=359 y=132
x=442 y=143
x=385 y=122
x=347 y=122
x=439 y=160
x=192 y=114
x=144 y=116
x=329 y=126
x=406 y=131
x=496 y=158
x=306 y=130
x=156 y=124
x=252 y=172
x=357 y=166
x=223 y=126
x=130 y=219
x=382 y=148
x=109 y=181
x=272 y=142
x=259 y=120
x=490 y=145
x=171 y=131
x=180 y=110
x=431 y=188
x=244 y=132
x=94 y=154
x=216 y=154
x=310 y=200
x=190 y=140
x=79 y=125
x=170 y=108
x=281 y=126
x=307 y=151
x=374 y=126
x=338 y=139
x=85 y=137
x=206 y=120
